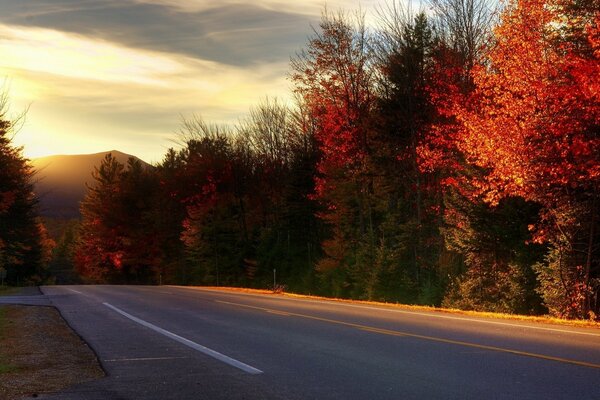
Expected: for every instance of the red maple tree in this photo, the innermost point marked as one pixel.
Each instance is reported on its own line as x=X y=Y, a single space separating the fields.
x=532 y=125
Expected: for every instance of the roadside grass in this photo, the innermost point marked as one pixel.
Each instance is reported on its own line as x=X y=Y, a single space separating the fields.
x=39 y=353
x=8 y=290
x=544 y=319
x=5 y=367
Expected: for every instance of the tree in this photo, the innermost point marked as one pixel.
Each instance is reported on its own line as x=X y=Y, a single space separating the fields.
x=466 y=29
x=24 y=247
x=98 y=254
x=532 y=124
x=238 y=204
x=406 y=51
x=168 y=215
x=118 y=240
x=474 y=232
x=285 y=160
x=498 y=254
x=216 y=229
x=62 y=267
x=333 y=80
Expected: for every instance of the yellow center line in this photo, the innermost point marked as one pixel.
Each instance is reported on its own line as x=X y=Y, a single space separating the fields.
x=382 y=331
x=422 y=337
x=278 y=313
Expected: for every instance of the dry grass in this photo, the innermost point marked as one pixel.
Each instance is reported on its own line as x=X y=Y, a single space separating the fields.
x=8 y=290
x=41 y=354
x=478 y=314
x=4 y=365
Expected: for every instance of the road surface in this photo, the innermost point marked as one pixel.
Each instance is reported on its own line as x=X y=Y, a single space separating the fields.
x=164 y=342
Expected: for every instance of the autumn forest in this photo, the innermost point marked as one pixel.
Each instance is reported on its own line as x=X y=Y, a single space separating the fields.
x=445 y=157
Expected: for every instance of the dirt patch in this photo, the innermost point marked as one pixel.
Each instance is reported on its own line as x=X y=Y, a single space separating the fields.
x=41 y=353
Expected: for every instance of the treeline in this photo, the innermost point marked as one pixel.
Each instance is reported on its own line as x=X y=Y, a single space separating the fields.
x=225 y=210
x=436 y=160
x=447 y=158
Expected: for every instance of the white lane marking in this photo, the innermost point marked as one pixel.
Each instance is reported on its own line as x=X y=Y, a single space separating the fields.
x=73 y=290
x=422 y=314
x=145 y=359
x=202 y=349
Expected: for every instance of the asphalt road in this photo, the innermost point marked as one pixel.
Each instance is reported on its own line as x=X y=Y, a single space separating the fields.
x=185 y=343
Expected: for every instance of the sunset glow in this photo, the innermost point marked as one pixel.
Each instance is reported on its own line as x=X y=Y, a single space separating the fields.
x=94 y=80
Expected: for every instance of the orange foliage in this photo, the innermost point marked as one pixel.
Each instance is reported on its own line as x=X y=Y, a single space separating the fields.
x=532 y=118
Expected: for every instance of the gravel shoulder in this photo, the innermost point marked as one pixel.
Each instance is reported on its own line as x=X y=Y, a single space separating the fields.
x=41 y=353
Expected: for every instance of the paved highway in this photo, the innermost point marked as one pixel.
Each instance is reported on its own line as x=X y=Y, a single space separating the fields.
x=188 y=343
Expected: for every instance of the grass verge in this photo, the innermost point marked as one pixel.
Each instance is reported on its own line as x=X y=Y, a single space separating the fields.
x=5 y=367
x=8 y=290
x=476 y=314
x=40 y=353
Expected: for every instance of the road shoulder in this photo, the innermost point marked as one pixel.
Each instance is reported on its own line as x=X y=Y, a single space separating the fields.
x=41 y=353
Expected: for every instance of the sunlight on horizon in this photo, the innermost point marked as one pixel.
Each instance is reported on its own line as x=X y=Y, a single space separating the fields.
x=87 y=78
x=87 y=94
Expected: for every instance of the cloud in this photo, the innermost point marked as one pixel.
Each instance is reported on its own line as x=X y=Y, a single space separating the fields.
x=103 y=74
x=73 y=56
x=86 y=93
x=234 y=33
x=310 y=8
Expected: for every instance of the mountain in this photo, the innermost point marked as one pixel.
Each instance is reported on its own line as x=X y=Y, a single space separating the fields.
x=60 y=181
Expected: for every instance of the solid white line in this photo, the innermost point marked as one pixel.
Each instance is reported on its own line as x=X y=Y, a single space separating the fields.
x=433 y=314
x=202 y=349
x=145 y=359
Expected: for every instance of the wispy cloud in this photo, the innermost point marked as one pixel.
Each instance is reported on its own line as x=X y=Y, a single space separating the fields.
x=100 y=74
x=227 y=32
x=86 y=93
x=75 y=56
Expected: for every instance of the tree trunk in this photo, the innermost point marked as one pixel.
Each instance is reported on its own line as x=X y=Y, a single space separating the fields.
x=588 y=262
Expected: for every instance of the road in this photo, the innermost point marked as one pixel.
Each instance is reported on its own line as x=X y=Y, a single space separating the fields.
x=164 y=342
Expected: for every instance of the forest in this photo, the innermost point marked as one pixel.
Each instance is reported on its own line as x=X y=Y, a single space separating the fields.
x=446 y=157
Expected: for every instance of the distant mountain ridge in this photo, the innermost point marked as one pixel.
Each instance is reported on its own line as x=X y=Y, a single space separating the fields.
x=60 y=180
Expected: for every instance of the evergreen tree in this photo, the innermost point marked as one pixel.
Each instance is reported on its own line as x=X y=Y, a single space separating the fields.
x=334 y=82
x=216 y=228
x=411 y=242
x=118 y=241
x=24 y=248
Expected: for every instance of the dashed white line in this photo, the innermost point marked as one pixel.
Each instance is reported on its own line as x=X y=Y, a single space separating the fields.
x=73 y=290
x=202 y=349
x=144 y=359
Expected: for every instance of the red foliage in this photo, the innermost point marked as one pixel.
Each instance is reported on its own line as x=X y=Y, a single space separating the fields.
x=532 y=121
x=437 y=147
x=332 y=79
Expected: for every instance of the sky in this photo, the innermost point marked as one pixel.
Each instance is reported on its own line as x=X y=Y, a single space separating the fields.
x=99 y=75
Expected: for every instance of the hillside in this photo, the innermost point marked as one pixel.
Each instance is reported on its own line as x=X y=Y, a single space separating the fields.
x=60 y=181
